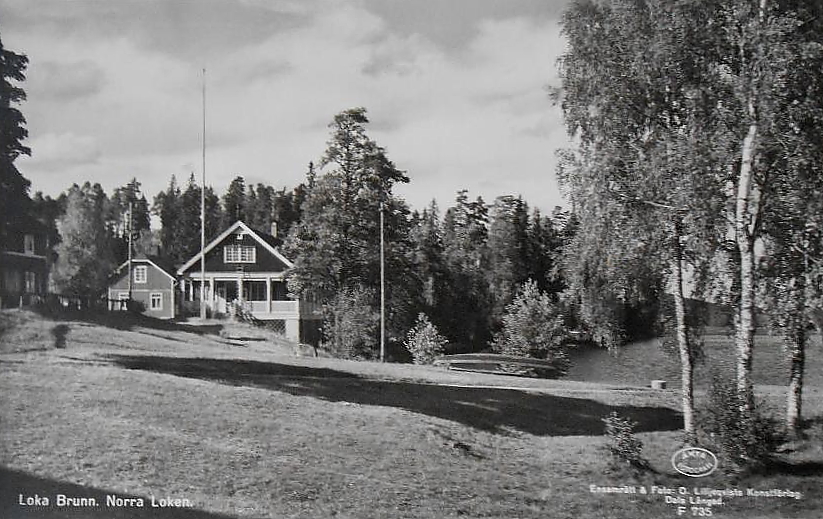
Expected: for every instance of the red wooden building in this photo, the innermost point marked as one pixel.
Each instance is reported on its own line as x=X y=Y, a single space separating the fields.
x=152 y=287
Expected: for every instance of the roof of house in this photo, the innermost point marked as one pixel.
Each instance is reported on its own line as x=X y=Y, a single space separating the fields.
x=268 y=242
x=161 y=265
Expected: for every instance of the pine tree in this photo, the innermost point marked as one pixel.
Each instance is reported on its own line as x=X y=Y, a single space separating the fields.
x=336 y=244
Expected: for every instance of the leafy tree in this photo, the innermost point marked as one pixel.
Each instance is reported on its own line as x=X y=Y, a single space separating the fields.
x=689 y=100
x=534 y=326
x=424 y=342
x=350 y=324
x=84 y=256
x=792 y=264
x=48 y=211
x=631 y=93
x=793 y=210
x=14 y=187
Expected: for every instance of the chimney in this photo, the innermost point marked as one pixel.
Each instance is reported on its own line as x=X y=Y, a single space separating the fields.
x=273 y=229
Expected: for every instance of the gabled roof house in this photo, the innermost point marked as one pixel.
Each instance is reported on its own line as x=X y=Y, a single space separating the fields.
x=245 y=269
x=152 y=286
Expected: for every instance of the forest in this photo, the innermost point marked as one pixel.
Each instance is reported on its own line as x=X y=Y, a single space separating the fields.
x=460 y=266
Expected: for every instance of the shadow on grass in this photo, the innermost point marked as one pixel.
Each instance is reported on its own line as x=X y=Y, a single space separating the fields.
x=14 y=483
x=124 y=320
x=794 y=468
x=495 y=410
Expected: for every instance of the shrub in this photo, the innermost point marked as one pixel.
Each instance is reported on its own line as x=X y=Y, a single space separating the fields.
x=533 y=326
x=424 y=342
x=746 y=440
x=624 y=447
x=350 y=324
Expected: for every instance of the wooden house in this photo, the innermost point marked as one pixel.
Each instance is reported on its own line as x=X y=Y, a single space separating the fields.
x=152 y=287
x=245 y=270
x=24 y=264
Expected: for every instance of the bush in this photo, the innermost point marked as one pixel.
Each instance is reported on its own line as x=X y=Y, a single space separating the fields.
x=350 y=324
x=533 y=326
x=424 y=342
x=745 y=440
x=624 y=447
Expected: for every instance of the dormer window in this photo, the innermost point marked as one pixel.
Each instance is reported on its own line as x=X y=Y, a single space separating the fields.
x=28 y=244
x=239 y=254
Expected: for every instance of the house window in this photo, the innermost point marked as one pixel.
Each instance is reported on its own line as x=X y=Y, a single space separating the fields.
x=156 y=301
x=28 y=244
x=239 y=254
x=122 y=301
x=31 y=282
x=141 y=274
x=254 y=291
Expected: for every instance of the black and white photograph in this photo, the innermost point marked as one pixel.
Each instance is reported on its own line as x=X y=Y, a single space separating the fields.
x=424 y=259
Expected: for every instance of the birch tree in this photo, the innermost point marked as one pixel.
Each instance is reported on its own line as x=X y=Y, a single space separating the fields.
x=628 y=96
x=765 y=47
x=690 y=101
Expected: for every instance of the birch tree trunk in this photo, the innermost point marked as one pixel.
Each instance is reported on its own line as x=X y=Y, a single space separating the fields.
x=797 y=350
x=745 y=216
x=683 y=344
x=794 y=400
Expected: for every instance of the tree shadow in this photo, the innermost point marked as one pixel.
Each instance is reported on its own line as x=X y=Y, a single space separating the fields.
x=489 y=409
x=15 y=485
x=124 y=320
x=794 y=468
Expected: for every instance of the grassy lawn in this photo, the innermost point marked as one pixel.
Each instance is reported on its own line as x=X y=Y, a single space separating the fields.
x=240 y=427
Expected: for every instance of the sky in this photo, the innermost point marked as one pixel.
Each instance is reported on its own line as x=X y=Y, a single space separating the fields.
x=456 y=91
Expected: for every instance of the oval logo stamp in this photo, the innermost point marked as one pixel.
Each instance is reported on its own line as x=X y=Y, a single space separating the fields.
x=695 y=462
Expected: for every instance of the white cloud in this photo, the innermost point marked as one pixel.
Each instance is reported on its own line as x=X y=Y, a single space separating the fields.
x=53 y=152
x=474 y=116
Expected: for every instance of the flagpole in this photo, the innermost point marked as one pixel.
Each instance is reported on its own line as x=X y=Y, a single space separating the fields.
x=382 y=290
x=131 y=290
x=203 y=213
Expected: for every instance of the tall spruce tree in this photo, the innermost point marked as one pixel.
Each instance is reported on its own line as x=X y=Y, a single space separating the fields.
x=260 y=207
x=234 y=202
x=127 y=201
x=14 y=187
x=507 y=263
x=465 y=236
x=167 y=206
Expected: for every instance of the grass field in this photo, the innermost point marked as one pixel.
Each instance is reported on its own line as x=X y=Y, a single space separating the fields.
x=239 y=426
